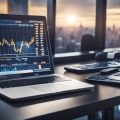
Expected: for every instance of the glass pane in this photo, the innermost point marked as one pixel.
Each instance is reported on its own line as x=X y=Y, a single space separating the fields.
x=37 y=7
x=113 y=24
x=74 y=19
x=3 y=7
x=30 y=7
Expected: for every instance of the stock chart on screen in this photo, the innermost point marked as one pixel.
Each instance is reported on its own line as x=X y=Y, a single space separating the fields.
x=23 y=46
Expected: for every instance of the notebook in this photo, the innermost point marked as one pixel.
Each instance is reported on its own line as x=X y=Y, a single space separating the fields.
x=26 y=63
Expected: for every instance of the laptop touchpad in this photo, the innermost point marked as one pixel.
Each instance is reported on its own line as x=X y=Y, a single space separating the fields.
x=19 y=92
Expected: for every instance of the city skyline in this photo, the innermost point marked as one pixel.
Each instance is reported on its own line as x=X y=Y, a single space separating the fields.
x=73 y=20
x=78 y=9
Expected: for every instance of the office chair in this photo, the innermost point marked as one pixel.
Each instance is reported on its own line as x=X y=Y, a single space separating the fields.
x=88 y=43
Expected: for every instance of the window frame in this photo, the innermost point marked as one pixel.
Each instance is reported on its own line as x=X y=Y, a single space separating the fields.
x=51 y=15
x=100 y=28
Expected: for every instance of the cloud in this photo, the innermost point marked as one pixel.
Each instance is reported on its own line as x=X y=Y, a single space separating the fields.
x=38 y=3
x=2 y=1
x=116 y=14
x=113 y=4
x=78 y=3
x=81 y=7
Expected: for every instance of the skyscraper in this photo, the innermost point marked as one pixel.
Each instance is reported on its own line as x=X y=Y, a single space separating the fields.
x=18 y=7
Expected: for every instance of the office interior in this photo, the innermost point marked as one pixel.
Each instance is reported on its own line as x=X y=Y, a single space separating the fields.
x=78 y=29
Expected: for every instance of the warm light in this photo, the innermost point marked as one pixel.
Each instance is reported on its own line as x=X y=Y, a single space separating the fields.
x=71 y=19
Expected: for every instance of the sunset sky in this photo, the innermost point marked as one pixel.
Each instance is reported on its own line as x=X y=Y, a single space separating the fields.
x=72 y=12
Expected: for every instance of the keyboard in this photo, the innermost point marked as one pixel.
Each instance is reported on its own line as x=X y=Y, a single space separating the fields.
x=93 y=67
x=33 y=81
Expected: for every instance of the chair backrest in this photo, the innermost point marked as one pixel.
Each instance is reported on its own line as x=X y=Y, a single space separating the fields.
x=87 y=42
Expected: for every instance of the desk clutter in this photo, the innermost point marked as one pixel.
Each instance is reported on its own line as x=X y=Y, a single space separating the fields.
x=106 y=76
x=103 y=60
x=107 y=65
x=92 y=67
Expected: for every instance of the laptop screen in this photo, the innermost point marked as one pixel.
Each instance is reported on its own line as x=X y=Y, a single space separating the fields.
x=24 y=45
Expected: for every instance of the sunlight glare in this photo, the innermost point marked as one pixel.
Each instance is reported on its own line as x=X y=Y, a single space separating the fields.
x=71 y=19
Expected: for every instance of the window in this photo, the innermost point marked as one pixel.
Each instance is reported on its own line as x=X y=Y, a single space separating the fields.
x=37 y=7
x=3 y=6
x=74 y=18
x=24 y=7
x=113 y=24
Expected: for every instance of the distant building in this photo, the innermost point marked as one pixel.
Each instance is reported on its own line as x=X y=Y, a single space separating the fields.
x=18 y=7
x=69 y=39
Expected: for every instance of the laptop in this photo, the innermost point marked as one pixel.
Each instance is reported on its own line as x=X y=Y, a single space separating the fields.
x=26 y=63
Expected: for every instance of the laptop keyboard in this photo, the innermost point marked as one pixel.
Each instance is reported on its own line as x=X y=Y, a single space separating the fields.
x=33 y=81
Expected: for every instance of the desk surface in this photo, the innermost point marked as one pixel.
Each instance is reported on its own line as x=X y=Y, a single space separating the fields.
x=64 y=106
